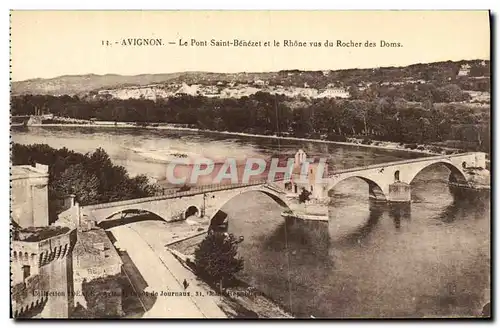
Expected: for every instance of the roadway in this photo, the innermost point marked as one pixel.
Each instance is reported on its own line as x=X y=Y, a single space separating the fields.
x=164 y=274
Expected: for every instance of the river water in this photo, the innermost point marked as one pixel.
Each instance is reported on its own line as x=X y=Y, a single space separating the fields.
x=427 y=259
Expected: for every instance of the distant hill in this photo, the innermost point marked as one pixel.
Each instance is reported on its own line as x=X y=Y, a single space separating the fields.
x=83 y=84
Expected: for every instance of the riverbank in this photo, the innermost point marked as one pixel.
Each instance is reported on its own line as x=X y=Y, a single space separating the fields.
x=387 y=145
x=181 y=239
x=239 y=301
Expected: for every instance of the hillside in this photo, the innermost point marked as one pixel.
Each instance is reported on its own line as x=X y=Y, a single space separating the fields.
x=439 y=103
x=81 y=84
x=441 y=72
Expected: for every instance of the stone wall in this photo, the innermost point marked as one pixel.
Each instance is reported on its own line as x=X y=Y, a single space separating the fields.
x=29 y=195
x=97 y=270
x=41 y=272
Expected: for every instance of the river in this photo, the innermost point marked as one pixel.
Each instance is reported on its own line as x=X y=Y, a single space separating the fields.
x=427 y=259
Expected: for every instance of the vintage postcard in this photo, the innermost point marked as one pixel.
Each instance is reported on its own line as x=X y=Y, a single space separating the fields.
x=250 y=164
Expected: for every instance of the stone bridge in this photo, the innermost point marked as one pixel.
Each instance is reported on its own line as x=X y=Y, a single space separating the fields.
x=203 y=201
x=387 y=182
x=391 y=181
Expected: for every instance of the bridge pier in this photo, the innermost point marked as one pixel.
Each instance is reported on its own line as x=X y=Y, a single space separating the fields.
x=399 y=192
x=399 y=212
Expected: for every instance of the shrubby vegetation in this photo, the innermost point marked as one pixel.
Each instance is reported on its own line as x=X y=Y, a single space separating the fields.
x=216 y=258
x=92 y=177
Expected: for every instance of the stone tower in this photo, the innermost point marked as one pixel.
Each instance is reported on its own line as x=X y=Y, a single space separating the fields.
x=41 y=273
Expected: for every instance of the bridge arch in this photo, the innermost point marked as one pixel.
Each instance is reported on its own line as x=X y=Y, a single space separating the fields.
x=374 y=188
x=192 y=210
x=456 y=175
x=141 y=214
x=268 y=193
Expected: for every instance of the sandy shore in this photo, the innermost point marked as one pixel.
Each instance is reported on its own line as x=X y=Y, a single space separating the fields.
x=387 y=145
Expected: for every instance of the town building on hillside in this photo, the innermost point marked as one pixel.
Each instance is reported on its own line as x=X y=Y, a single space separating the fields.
x=464 y=70
x=187 y=90
x=334 y=93
x=259 y=83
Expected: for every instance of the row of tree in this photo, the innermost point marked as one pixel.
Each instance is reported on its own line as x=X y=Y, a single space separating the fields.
x=416 y=92
x=382 y=118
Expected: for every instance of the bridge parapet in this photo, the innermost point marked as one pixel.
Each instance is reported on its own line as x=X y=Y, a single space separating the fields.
x=191 y=192
x=477 y=159
x=202 y=201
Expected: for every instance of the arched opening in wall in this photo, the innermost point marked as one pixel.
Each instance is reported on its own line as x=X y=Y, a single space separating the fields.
x=192 y=211
x=356 y=188
x=248 y=211
x=256 y=216
x=440 y=171
x=128 y=216
x=396 y=175
x=432 y=183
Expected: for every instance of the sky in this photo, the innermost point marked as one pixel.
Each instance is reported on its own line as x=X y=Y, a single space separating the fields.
x=46 y=44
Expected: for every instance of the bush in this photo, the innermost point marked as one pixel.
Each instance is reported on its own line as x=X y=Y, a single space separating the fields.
x=216 y=258
x=366 y=141
x=411 y=146
x=92 y=177
x=421 y=147
x=436 y=149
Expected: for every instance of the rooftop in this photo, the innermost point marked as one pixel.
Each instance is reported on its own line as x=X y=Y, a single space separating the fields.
x=28 y=171
x=35 y=234
x=94 y=249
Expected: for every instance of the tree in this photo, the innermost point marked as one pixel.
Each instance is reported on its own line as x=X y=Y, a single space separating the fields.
x=76 y=179
x=216 y=258
x=92 y=177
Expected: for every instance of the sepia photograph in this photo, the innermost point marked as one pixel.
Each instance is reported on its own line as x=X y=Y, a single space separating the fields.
x=250 y=164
